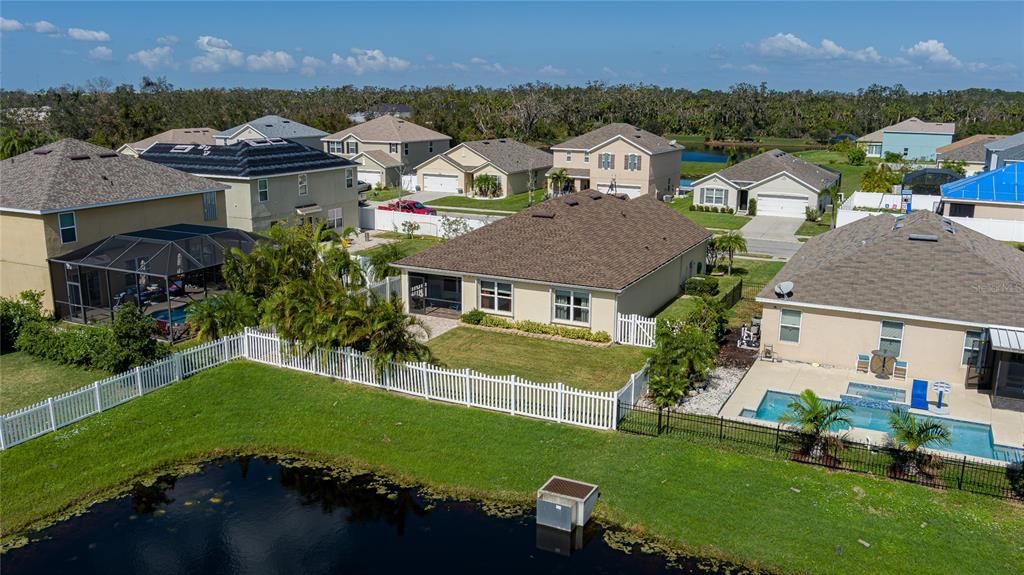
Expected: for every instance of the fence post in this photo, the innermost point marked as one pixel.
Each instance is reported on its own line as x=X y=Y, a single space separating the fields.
x=347 y=374
x=179 y=374
x=3 y=441
x=561 y=401
x=467 y=385
x=777 y=431
x=426 y=380
x=632 y=389
x=96 y=393
x=721 y=428
x=224 y=349
x=53 y=416
x=963 y=469
x=660 y=409
x=245 y=343
x=515 y=395
x=138 y=379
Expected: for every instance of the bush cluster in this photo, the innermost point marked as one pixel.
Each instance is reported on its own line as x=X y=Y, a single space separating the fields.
x=752 y=207
x=701 y=285
x=812 y=214
x=712 y=209
x=16 y=314
x=478 y=317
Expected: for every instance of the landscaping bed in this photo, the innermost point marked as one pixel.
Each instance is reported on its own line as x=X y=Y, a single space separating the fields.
x=547 y=336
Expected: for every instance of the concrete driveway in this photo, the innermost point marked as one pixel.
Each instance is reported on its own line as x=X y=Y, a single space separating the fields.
x=772 y=236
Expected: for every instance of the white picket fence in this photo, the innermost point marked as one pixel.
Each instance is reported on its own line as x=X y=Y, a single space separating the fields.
x=509 y=394
x=634 y=329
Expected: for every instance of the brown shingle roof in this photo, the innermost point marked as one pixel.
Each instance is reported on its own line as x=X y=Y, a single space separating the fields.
x=511 y=156
x=963 y=276
x=602 y=242
x=388 y=129
x=970 y=149
x=773 y=162
x=381 y=157
x=70 y=174
x=196 y=136
x=653 y=143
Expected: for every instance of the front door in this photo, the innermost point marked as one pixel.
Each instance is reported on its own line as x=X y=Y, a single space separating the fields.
x=743 y=201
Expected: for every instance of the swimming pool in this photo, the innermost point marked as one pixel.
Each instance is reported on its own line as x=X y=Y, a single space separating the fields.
x=969 y=438
x=877 y=392
x=177 y=315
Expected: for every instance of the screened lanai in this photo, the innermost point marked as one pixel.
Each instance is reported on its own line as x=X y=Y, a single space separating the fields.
x=162 y=270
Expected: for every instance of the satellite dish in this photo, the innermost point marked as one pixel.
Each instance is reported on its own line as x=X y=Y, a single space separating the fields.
x=784 y=289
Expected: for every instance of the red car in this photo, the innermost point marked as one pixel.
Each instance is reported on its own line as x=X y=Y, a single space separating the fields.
x=409 y=206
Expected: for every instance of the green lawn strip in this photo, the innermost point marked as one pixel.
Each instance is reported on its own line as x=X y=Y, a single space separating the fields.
x=852 y=175
x=385 y=195
x=482 y=212
x=708 y=219
x=697 y=170
x=407 y=246
x=538 y=360
x=513 y=203
x=750 y=271
x=25 y=380
x=782 y=516
x=816 y=228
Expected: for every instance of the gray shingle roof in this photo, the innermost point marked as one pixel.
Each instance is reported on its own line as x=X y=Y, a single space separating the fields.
x=198 y=136
x=71 y=174
x=1006 y=143
x=773 y=162
x=276 y=127
x=571 y=172
x=247 y=159
x=970 y=149
x=653 y=143
x=381 y=157
x=511 y=156
x=602 y=242
x=964 y=276
x=913 y=126
x=388 y=129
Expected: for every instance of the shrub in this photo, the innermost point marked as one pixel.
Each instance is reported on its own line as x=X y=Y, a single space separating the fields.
x=709 y=317
x=474 y=317
x=812 y=214
x=730 y=211
x=692 y=208
x=16 y=313
x=133 y=338
x=752 y=207
x=856 y=156
x=527 y=326
x=701 y=285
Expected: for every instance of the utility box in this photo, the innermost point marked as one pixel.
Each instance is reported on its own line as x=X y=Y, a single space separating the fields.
x=564 y=503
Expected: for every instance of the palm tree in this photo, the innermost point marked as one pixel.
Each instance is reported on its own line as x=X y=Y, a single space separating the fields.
x=731 y=243
x=381 y=260
x=558 y=180
x=221 y=315
x=815 y=418
x=910 y=434
x=486 y=184
x=683 y=354
x=386 y=333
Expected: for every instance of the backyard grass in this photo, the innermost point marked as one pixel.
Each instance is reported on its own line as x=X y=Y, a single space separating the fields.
x=24 y=380
x=406 y=245
x=750 y=271
x=513 y=203
x=852 y=175
x=708 y=219
x=696 y=170
x=539 y=360
x=385 y=195
x=781 y=516
x=816 y=228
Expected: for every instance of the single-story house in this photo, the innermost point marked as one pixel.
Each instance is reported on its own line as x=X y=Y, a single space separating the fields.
x=68 y=194
x=991 y=202
x=939 y=296
x=1009 y=150
x=971 y=151
x=783 y=185
x=576 y=260
x=271 y=181
x=194 y=136
x=912 y=139
x=518 y=167
x=386 y=147
x=271 y=127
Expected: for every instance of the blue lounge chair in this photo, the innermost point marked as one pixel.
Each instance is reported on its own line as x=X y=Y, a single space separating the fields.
x=919 y=395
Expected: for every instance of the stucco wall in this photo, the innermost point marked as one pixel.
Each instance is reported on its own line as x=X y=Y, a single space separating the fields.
x=419 y=152
x=716 y=182
x=787 y=186
x=535 y=302
x=918 y=146
x=657 y=174
x=326 y=188
x=650 y=294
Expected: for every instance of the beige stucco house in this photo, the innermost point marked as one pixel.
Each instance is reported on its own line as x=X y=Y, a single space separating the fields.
x=939 y=296
x=268 y=127
x=66 y=195
x=518 y=168
x=271 y=181
x=562 y=262
x=386 y=147
x=783 y=185
x=621 y=159
x=194 y=136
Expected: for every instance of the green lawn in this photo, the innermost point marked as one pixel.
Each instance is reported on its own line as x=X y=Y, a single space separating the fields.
x=385 y=195
x=708 y=219
x=695 y=170
x=772 y=514
x=513 y=203
x=751 y=271
x=816 y=228
x=852 y=175
x=539 y=360
x=24 y=380
x=405 y=245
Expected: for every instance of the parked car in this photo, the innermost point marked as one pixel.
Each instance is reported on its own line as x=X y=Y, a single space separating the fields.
x=362 y=186
x=409 y=206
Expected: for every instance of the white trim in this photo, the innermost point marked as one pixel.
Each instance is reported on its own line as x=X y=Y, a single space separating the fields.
x=799 y=327
x=258 y=200
x=436 y=271
x=965 y=348
x=881 y=326
x=553 y=303
x=495 y=311
x=606 y=142
x=239 y=131
x=105 y=204
x=250 y=178
x=73 y=226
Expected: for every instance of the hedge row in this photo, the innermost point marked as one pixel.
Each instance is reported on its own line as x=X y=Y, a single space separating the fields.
x=478 y=317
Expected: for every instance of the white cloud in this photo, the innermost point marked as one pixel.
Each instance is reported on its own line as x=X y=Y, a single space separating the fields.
x=744 y=68
x=477 y=61
x=361 y=61
x=101 y=53
x=550 y=70
x=216 y=54
x=8 y=25
x=459 y=66
x=168 y=40
x=311 y=65
x=792 y=46
x=270 y=61
x=88 y=35
x=160 y=57
x=935 y=53
x=44 y=27
x=609 y=72
x=487 y=65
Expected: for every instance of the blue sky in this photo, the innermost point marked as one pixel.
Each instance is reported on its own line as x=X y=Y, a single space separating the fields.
x=789 y=45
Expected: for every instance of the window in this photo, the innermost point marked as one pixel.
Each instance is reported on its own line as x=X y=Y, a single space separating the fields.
x=875 y=150
x=348 y=178
x=906 y=151
x=714 y=196
x=430 y=147
x=586 y=157
x=263 y=189
x=633 y=162
x=973 y=341
x=572 y=306
x=393 y=148
x=335 y=147
x=303 y=184
x=405 y=149
x=352 y=147
x=334 y=217
x=495 y=296
x=209 y=206
x=68 y=228
x=891 y=339
x=568 y=156
x=961 y=210
x=181 y=148
x=606 y=161
x=789 y=326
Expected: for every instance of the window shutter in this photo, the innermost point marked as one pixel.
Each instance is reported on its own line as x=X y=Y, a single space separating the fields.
x=638 y=157
x=611 y=157
x=726 y=198
x=702 y=195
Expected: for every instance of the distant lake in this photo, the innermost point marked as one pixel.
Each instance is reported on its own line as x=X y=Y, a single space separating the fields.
x=256 y=516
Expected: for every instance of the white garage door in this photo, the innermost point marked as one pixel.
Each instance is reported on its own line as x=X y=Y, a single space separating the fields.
x=439 y=183
x=372 y=178
x=631 y=191
x=781 y=206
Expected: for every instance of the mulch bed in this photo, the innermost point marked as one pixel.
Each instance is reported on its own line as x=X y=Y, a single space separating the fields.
x=730 y=355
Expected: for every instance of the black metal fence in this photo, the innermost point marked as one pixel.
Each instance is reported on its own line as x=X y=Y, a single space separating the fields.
x=965 y=473
x=750 y=290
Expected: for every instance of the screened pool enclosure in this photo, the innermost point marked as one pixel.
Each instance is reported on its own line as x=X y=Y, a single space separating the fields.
x=161 y=269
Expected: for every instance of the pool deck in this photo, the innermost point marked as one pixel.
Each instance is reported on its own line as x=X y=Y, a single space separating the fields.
x=792 y=377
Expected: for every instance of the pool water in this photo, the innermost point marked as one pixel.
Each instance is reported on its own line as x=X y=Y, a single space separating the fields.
x=877 y=392
x=177 y=315
x=969 y=438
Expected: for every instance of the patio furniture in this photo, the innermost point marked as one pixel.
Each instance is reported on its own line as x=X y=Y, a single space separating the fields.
x=941 y=388
x=863 y=362
x=919 y=394
x=769 y=353
x=899 y=371
x=880 y=362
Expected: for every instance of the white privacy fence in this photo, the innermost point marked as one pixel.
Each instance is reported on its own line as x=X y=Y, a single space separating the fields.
x=510 y=394
x=633 y=329
x=371 y=218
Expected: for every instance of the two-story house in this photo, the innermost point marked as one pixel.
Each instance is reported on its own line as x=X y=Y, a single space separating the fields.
x=1001 y=153
x=621 y=159
x=912 y=139
x=386 y=148
x=271 y=181
x=66 y=195
x=268 y=127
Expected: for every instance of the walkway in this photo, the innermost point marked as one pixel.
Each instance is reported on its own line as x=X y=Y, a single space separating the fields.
x=436 y=324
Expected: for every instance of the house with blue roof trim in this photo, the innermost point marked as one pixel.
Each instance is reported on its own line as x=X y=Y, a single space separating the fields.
x=990 y=202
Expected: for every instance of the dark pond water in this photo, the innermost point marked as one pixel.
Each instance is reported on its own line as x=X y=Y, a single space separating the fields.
x=258 y=516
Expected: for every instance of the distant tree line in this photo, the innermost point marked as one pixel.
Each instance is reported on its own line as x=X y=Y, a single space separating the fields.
x=110 y=115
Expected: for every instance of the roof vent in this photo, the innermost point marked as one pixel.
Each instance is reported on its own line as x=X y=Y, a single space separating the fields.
x=42 y=152
x=923 y=237
x=181 y=148
x=899 y=223
x=571 y=202
x=79 y=157
x=595 y=195
x=108 y=155
x=286 y=121
x=784 y=290
x=947 y=225
x=543 y=214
